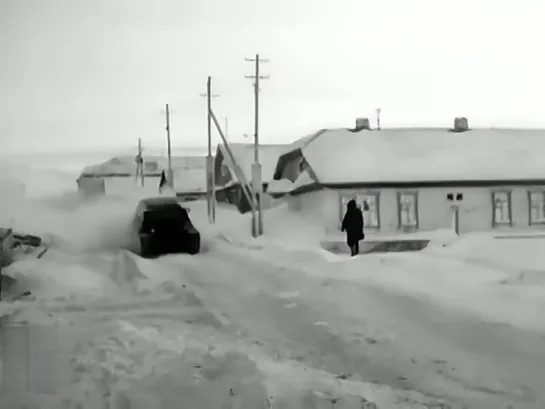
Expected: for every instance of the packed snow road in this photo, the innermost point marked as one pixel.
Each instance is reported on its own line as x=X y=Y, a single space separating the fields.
x=165 y=322
x=364 y=333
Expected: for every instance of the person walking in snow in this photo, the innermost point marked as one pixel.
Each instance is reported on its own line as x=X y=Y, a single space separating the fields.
x=353 y=226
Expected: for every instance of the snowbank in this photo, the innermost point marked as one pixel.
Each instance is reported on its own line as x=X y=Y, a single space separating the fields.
x=282 y=227
x=510 y=253
x=492 y=279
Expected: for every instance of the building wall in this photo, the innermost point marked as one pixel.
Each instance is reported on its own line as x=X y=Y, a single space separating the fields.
x=433 y=209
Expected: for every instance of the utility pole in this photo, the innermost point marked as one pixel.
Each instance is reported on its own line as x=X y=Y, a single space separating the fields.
x=256 y=167
x=170 y=178
x=139 y=164
x=210 y=182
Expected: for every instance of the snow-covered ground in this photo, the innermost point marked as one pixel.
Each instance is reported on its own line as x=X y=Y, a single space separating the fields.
x=275 y=320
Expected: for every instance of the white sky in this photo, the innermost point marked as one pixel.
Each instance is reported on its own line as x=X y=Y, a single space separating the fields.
x=97 y=73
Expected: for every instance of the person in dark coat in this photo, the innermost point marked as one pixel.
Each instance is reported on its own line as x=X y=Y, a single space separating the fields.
x=353 y=226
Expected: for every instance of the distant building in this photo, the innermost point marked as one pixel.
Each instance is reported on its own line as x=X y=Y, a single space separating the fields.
x=403 y=177
x=228 y=187
x=118 y=176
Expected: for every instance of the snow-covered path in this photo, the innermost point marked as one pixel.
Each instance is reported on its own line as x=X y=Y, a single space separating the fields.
x=165 y=322
x=373 y=335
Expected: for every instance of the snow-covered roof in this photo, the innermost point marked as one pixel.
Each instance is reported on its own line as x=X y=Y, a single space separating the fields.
x=301 y=142
x=153 y=165
x=244 y=156
x=402 y=155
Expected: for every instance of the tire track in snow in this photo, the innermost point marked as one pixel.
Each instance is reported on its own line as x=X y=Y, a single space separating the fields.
x=497 y=362
x=254 y=304
x=240 y=288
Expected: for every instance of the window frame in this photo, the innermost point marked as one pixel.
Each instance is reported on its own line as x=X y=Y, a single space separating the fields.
x=400 y=225
x=376 y=195
x=531 y=222
x=493 y=194
x=359 y=194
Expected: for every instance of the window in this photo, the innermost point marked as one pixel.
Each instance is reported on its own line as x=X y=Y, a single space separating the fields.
x=407 y=204
x=368 y=202
x=501 y=208
x=536 y=204
x=151 y=166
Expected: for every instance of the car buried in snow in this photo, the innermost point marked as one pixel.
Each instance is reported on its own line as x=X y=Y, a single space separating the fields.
x=162 y=226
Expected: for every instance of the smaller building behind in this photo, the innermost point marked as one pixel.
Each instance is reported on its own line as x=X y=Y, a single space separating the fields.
x=118 y=176
x=228 y=187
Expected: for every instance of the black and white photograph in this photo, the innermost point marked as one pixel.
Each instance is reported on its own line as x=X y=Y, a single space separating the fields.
x=272 y=204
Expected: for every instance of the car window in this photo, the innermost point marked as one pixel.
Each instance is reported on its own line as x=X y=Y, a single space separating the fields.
x=147 y=225
x=168 y=215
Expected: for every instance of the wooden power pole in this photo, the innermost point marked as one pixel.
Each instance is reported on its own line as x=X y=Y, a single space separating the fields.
x=379 y=110
x=210 y=182
x=170 y=177
x=257 y=182
x=139 y=164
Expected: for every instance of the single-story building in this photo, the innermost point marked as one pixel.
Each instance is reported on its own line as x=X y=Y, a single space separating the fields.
x=403 y=178
x=228 y=187
x=118 y=176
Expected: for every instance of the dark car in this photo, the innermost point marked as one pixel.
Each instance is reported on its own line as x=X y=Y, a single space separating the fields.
x=162 y=226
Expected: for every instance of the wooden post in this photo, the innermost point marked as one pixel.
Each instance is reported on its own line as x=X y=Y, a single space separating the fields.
x=210 y=182
x=256 y=168
x=170 y=175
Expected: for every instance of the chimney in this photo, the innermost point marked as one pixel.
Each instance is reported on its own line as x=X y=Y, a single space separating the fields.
x=362 y=123
x=460 y=124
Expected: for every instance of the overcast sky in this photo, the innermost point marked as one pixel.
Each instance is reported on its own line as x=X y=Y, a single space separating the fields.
x=97 y=73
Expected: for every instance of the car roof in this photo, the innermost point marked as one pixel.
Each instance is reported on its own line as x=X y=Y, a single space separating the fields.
x=152 y=203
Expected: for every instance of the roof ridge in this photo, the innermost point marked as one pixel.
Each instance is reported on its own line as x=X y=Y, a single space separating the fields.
x=441 y=128
x=434 y=154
